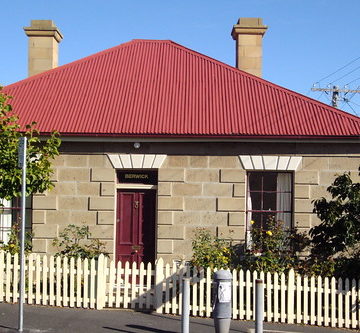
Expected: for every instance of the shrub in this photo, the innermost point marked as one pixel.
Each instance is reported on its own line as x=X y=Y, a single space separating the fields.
x=13 y=244
x=274 y=249
x=210 y=251
x=74 y=241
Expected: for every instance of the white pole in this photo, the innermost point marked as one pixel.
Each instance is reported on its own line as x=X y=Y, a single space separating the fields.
x=259 y=308
x=22 y=163
x=185 y=306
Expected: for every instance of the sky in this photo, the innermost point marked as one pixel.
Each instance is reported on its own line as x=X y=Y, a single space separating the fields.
x=307 y=42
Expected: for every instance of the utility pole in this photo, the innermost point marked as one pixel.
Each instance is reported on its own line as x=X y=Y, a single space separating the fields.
x=335 y=90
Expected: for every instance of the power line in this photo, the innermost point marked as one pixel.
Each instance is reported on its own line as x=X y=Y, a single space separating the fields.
x=352 y=61
x=345 y=75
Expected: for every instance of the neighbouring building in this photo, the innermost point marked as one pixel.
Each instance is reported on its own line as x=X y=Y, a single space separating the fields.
x=159 y=140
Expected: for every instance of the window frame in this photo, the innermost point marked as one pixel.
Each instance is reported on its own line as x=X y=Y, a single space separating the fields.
x=247 y=211
x=14 y=208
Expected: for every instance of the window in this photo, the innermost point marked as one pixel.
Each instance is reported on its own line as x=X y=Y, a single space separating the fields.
x=10 y=212
x=269 y=195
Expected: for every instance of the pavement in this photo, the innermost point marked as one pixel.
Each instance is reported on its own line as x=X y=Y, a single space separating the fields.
x=38 y=319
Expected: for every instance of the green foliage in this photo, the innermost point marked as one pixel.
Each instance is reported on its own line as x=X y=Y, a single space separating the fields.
x=13 y=245
x=74 y=241
x=210 y=251
x=39 y=154
x=274 y=249
x=335 y=241
x=339 y=230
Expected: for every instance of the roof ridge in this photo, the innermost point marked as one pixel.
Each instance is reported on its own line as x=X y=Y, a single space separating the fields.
x=198 y=54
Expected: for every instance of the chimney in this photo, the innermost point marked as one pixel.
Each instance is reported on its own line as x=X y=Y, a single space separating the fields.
x=44 y=38
x=248 y=34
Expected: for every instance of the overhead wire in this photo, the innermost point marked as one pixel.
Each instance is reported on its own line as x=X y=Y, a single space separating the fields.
x=338 y=70
x=338 y=79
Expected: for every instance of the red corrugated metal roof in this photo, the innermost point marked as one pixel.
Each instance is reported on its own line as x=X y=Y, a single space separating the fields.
x=160 y=88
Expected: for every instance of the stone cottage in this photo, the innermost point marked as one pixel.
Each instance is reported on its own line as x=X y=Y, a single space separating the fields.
x=159 y=139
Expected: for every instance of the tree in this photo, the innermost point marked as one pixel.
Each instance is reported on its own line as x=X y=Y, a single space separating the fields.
x=39 y=154
x=339 y=230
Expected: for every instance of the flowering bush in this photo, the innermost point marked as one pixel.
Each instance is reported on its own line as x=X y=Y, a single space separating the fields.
x=210 y=251
x=13 y=244
x=274 y=249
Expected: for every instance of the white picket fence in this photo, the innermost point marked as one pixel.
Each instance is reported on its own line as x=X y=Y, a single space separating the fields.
x=98 y=284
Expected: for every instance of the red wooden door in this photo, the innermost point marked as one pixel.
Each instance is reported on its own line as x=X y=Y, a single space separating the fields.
x=135 y=226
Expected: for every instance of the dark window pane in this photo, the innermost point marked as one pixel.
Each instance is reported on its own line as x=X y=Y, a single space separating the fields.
x=269 y=181
x=269 y=202
x=255 y=180
x=255 y=201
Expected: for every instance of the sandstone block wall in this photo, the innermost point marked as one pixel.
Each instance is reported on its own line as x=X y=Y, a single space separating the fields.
x=84 y=193
x=193 y=191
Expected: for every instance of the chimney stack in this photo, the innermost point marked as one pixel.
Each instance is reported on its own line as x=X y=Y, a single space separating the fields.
x=44 y=38
x=248 y=34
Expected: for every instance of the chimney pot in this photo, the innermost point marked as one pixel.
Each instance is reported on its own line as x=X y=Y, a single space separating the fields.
x=44 y=38
x=248 y=34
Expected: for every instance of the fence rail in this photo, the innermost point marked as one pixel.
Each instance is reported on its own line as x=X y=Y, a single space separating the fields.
x=102 y=283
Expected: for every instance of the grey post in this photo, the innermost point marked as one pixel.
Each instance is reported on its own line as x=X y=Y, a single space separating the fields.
x=222 y=301
x=185 y=306
x=22 y=164
x=259 y=309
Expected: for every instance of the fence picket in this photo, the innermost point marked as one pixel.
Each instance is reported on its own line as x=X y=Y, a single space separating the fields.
x=83 y=283
x=93 y=277
x=269 y=311
x=202 y=293
x=312 y=300
x=65 y=282
x=133 y=284
x=16 y=271
x=282 y=298
x=241 y=294
x=30 y=278
x=159 y=278
x=72 y=283
x=79 y=276
x=290 y=297
x=126 y=285
x=37 y=279
x=248 y=295
x=253 y=285
x=234 y=294
x=149 y=291
x=326 y=302
x=168 y=283
x=298 y=299
x=194 y=287
x=51 y=281
x=340 y=303
x=276 y=297
x=347 y=303
x=2 y=275
x=174 y=304
x=86 y=274
x=353 y=304
x=319 y=291
x=58 y=281
x=44 y=282
x=333 y=302
x=306 y=300
x=118 y=298
x=141 y=288
x=208 y=292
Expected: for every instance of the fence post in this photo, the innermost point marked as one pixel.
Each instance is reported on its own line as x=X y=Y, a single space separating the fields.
x=100 y=286
x=159 y=279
